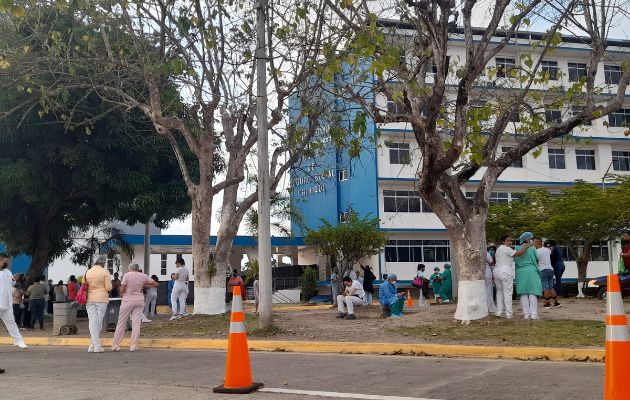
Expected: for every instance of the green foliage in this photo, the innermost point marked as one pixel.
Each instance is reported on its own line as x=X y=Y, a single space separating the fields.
x=250 y=271
x=308 y=282
x=350 y=241
x=102 y=240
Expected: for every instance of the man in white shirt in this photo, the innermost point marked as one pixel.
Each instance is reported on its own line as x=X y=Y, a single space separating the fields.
x=353 y=295
x=546 y=274
x=6 y=302
x=503 y=275
x=180 y=290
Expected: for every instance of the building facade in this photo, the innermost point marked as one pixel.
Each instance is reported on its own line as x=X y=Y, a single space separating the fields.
x=380 y=182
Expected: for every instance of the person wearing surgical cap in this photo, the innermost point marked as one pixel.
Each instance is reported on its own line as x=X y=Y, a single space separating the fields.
x=389 y=297
x=446 y=291
x=528 y=284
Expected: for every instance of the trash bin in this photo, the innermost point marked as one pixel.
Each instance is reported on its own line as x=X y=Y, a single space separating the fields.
x=111 y=314
x=65 y=318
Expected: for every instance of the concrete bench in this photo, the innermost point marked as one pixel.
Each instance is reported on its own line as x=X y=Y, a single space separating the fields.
x=371 y=311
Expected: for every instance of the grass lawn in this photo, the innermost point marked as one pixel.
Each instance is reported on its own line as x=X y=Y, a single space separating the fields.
x=495 y=331
x=205 y=325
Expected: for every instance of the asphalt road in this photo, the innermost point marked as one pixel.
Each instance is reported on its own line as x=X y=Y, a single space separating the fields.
x=54 y=372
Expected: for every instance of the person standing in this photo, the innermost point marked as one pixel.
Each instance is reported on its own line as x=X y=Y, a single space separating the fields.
x=36 y=294
x=98 y=284
x=368 y=283
x=557 y=263
x=334 y=285
x=256 y=292
x=236 y=280
x=51 y=296
x=61 y=292
x=180 y=290
x=446 y=291
x=132 y=305
x=424 y=288
x=73 y=288
x=625 y=253
x=18 y=301
x=546 y=274
x=528 y=284
x=489 y=281
x=169 y=291
x=150 y=298
x=6 y=302
x=435 y=282
x=115 y=293
x=503 y=275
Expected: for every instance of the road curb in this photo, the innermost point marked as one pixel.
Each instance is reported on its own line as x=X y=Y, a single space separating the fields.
x=411 y=349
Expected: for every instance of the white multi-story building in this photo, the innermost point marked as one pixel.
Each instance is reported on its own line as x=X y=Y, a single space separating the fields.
x=380 y=181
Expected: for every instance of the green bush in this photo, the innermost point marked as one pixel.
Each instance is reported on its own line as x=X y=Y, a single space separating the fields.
x=308 y=282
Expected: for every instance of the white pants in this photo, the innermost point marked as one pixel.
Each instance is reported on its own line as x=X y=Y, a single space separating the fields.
x=96 y=316
x=179 y=293
x=368 y=299
x=529 y=303
x=349 y=301
x=9 y=322
x=490 y=293
x=504 y=282
x=149 y=303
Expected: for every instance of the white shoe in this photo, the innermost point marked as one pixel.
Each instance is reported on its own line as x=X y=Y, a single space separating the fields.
x=174 y=317
x=146 y=320
x=20 y=344
x=525 y=316
x=508 y=316
x=184 y=315
x=91 y=349
x=98 y=350
x=534 y=317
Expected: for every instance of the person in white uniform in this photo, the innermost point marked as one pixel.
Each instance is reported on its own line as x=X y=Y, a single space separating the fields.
x=6 y=302
x=489 y=279
x=353 y=295
x=503 y=275
x=180 y=290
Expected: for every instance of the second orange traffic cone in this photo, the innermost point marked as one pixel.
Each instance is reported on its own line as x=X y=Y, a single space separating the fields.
x=238 y=372
x=617 y=344
x=409 y=301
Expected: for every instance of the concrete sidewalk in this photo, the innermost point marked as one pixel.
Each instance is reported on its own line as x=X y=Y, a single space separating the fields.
x=411 y=349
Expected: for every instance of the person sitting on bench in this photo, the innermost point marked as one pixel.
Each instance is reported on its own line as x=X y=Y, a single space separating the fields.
x=353 y=295
x=389 y=297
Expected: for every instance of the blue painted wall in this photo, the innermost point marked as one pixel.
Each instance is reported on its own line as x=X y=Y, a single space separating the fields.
x=19 y=264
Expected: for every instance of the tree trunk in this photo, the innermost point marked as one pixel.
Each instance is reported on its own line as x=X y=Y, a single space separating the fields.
x=208 y=298
x=225 y=237
x=582 y=265
x=39 y=255
x=469 y=245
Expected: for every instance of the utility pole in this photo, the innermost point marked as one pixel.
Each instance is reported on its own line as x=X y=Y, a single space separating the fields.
x=264 y=230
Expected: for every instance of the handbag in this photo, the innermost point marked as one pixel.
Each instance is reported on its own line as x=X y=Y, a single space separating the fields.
x=82 y=295
x=417 y=282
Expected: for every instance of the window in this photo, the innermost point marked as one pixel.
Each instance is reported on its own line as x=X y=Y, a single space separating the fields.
x=576 y=110
x=396 y=106
x=619 y=118
x=505 y=66
x=599 y=252
x=577 y=71
x=517 y=163
x=552 y=114
x=404 y=201
x=344 y=175
x=417 y=251
x=621 y=160
x=585 y=159
x=399 y=153
x=550 y=68
x=612 y=74
x=499 y=197
x=163 y=264
x=110 y=263
x=433 y=66
x=556 y=158
x=343 y=216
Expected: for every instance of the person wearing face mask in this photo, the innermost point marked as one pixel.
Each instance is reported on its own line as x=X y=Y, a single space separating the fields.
x=389 y=297
x=180 y=290
x=236 y=280
x=6 y=302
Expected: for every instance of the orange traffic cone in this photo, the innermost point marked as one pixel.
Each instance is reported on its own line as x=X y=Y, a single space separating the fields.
x=238 y=372
x=617 y=344
x=409 y=301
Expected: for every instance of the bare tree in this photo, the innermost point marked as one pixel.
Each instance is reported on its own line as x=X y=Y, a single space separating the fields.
x=460 y=108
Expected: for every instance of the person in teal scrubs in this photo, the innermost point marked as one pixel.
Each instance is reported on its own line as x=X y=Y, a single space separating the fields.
x=435 y=281
x=446 y=291
x=528 y=284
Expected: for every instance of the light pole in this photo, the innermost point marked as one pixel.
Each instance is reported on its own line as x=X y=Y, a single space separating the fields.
x=264 y=229
x=610 y=243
